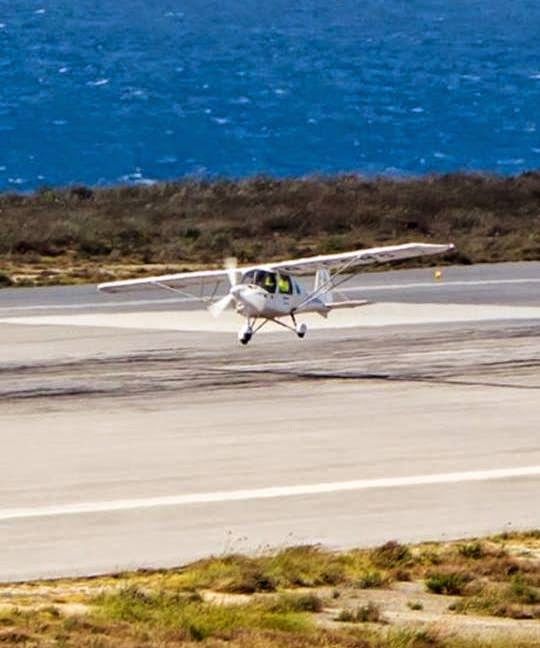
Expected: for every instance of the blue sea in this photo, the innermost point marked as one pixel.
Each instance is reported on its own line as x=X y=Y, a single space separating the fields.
x=109 y=91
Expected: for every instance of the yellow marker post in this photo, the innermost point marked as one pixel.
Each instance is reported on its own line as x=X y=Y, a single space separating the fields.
x=437 y=275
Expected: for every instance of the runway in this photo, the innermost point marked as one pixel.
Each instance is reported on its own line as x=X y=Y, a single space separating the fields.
x=136 y=432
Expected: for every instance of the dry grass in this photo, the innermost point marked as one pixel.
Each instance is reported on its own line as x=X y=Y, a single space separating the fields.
x=82 y=234
x=300 y=597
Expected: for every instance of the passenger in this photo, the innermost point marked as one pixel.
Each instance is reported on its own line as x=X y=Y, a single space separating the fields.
x=284 y=285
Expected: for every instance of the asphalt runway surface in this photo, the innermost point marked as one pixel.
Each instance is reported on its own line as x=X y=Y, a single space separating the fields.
x=136 y=432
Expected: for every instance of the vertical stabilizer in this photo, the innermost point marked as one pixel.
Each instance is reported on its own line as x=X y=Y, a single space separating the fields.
x=322 y=278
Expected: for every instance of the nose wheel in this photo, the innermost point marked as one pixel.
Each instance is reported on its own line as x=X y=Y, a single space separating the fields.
x=245 y=334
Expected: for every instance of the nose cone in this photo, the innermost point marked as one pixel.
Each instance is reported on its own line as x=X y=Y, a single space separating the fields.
x=252 y=301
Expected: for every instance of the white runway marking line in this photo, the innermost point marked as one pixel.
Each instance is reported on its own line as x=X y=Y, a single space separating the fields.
x=442 y=284
x=265 y=493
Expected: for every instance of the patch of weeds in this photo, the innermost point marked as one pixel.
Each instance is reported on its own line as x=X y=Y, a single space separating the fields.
x=472 y=550
x=515 y=600
x=234 y=574
x=402 y=575
x=446 y=582
x=14 y=637
x=519 y=591
x=369 y=613
x=415 y=605
x=196 y=619
x=306 y=566
x=390 y=555
x=411 y=638
x=430 y=557
x=370 y=580
x=292 y=602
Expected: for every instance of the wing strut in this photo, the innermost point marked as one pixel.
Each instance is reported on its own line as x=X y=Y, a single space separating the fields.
x=330 y=284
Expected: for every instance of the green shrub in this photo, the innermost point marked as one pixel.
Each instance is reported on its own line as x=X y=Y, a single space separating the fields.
x=370 y=580
x=519 y=591
x=391 y=554
x=472 y=550
x=415 y=605
x=292 y=602
x=446 y=582
x=369 y=613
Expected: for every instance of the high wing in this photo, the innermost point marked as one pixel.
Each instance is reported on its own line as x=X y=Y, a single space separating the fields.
x=184 y=282
x=200 y=278
x=348 y=260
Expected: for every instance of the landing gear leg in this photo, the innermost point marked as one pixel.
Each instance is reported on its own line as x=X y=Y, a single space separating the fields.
x=301 y=329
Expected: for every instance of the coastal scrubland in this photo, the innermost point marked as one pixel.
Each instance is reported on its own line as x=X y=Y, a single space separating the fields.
x=480 y=593
x=80 y=234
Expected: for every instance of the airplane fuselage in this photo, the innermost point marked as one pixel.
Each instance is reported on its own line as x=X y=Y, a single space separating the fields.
x=270 y=295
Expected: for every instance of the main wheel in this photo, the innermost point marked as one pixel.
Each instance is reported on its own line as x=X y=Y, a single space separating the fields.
x=245 y=338
x=301 y=330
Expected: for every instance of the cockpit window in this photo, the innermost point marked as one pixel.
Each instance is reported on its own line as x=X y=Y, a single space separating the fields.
x=266 y=280
x=285 y=285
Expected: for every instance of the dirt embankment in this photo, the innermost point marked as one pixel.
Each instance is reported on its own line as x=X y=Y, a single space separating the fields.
x=82 y=234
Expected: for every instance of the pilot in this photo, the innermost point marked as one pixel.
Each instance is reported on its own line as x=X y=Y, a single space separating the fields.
x=270 y=282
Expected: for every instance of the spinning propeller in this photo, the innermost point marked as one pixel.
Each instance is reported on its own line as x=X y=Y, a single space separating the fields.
x=218 y=307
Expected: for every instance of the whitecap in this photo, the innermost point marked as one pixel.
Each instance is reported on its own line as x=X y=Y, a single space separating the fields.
x=63 y=70
x=167 y=159
x=280 y=91
x=131 y=177
x=241 y=100
x=535 y=149
x=2 y=25
x=535 y=76
x=511 y=161
x=17 y=181
x=440 y=156
x=39 y=12
x=221 y=120
x=147 y=182
x=311 y=121
x=59 y=122
x=417 y=109
x=99 y=82
x=3 y=168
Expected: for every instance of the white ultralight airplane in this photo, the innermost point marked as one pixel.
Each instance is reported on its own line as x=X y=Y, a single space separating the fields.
x=269 y=292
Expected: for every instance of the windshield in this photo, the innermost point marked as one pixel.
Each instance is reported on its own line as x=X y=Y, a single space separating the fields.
x=266 y=280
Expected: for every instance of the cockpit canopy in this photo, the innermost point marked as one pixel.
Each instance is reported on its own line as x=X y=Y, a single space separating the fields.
x=271 y=281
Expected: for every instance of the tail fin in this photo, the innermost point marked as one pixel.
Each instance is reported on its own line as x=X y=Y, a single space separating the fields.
x=322 y=278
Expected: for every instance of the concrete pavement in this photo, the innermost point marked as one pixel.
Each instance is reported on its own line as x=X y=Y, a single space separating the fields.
x=92 y=416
